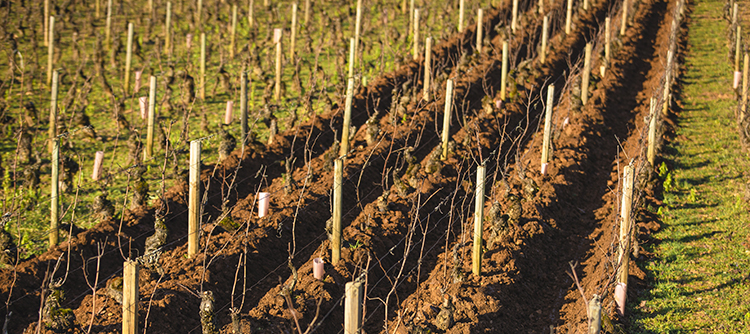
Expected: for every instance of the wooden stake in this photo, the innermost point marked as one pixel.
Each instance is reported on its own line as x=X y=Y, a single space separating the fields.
x=243 y=106
x=54 y=223
x=737 y=48
x=167 y=30
x=45 y=25
x=625 y=222
x=734 y=14
x=607 y=39
x=277 y=88
x=461 y=15
x=233 y=32
x=427 y=68
x=568 y=17
x=293 y=37
x=743 y=102
x=540 y=7
x=149 y=151
x=514 y=16
x=108 y=25
x=97 y=9
x=130 y=297
x=585 y=5
x=307 y=12
x=547 y=126
x=250 y=20
x=447 y=117
x=199 y=12
x=476 y=267
x=545 y=37
x=347 y=118
x=194 y=198
x=128 y=58
x=357 y=27
x=480 y=30
x=352 y=48
x=667 y=85
x=53 y=111
x=353 y=307
x=338 y=177
x=50 y=48
x=203 y=66
x=651 y=153
x=415 y=52
x=624 y=21
x=586 y=74
x=504 y=73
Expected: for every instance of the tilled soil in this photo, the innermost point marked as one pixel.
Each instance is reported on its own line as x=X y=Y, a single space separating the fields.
x=408 y=215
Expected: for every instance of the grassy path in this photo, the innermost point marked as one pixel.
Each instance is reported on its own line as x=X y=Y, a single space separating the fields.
x=700 y=272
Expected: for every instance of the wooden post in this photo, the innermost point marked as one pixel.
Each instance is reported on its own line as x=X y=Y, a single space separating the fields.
x=447 y=117
x=624 y=21
x=199 y=12
x=651 y=153
x=250 y=20
x=586 y=74
x=415 y=52
x=54 y=223
x=568 y=16
x=461 y=15
x=149 y=151
x=743 y=102
x=540 y=7
x=585 y=5
x=352 y=48
x=128 y=58
x=476 y=267
x=480 y=30
x=607 y=41
x=427 y=69
x=277 y=89
x=514 y=16
x=338 y=177
x=347 y=118
x=734 y=14
x=504 y=73
x=411 y=14
x=307 y=12
x=194 y=198
x=167 y=29
x=53 y=111
x=45 y=25
x=96 y=173
x=293 y=35
x=108 y=26
x=547 y=127
x=203 y=66
x=357 y=27
x=130 y=297
x=354 y=293
x=625 y=225
x=737 y=48
x=545 y=37
x=233 y=32
x=243 y=105
x=667 y=85
x=50 y=48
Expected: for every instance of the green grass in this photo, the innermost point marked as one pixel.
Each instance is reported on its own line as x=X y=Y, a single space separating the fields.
x=699 y=276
